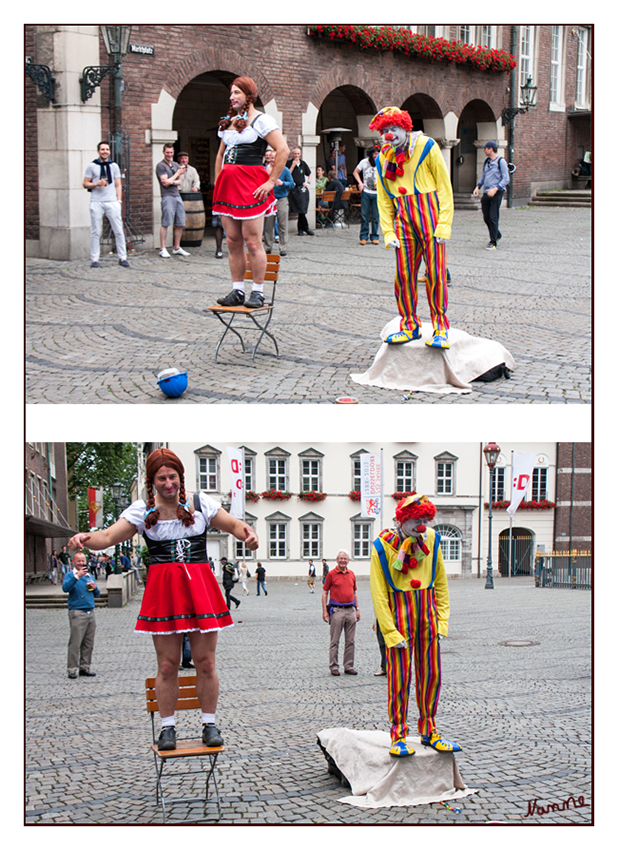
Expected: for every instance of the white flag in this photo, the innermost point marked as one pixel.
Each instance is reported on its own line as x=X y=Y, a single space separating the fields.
x=371 y=485
x=523 y=464
x=236 y=458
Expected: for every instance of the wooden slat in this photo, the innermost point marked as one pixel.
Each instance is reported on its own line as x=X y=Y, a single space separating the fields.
x=269 y=275
x=186 y=748
x=219 y=309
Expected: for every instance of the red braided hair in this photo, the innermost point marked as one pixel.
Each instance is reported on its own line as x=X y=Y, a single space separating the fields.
x=248 y=88
x=155 y=460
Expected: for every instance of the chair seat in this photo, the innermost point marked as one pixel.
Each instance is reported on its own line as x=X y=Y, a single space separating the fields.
x=218 y=309
x=187 y=748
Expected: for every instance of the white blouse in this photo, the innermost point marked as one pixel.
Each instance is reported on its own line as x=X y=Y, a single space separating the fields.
x=172 y=529
x=262 y=126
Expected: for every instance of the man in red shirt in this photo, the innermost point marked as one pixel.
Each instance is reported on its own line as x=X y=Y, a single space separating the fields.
x=341 y=612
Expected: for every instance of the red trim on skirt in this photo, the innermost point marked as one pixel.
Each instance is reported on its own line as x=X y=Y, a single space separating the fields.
x=182 y=598
x=233 y=192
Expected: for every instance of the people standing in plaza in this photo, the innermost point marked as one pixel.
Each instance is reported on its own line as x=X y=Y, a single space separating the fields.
x=190 y=180
x=54 y=566
x=104 y=182
x=311 y=577
x=182 y=594
x=415 y=202
x=260 y=577
x=229 y=580
x=244 y=578
x=494 y=179
x=365 y=175
x=340 y=167
x=64 y=559
x=299 y=195
x=283 y=185
x=243 y=193
x=340 y=609
x=170 y=174
x=410 y=597
x=82 y=590
x=325 y=570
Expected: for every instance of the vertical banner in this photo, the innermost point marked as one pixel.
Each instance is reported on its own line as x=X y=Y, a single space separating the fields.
x=371 y=485
x=522 y=467
x=236 y=459
x=95 y=507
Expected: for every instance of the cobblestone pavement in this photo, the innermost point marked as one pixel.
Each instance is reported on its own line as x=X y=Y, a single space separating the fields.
x=101 y=336
x=521 y=713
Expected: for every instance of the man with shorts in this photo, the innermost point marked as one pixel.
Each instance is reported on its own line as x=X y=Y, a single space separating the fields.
x=169 y=175
x=103 y=181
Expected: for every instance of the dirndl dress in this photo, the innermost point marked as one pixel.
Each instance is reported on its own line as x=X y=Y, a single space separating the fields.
x=182 y=593
x=243 y=171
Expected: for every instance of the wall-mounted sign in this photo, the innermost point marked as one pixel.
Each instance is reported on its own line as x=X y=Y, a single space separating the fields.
x=144 y=49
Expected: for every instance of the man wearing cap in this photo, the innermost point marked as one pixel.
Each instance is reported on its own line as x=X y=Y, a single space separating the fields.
x=190 y=180
x=365 y=176
x=409 y=590
x=494 y=178
x=415 y=202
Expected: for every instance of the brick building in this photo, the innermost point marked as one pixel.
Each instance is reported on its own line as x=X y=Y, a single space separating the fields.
x=175 y=88
x=573 y=515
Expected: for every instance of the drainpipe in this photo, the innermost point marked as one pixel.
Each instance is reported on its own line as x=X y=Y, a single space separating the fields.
x=514 y=89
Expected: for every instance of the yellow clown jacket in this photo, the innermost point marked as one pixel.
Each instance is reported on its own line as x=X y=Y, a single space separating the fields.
x=424 y=171
x=430 y=572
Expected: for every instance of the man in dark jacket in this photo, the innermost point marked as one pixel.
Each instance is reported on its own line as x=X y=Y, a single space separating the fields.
x=229 y=580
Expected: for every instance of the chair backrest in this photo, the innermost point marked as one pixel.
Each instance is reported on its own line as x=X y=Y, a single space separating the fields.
x=329 y=197
x=346 y=195
x=187 y=696
x=272 y=268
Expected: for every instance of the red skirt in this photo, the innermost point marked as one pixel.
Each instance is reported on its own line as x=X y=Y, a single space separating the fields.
x=233 y=192
x=182 y=598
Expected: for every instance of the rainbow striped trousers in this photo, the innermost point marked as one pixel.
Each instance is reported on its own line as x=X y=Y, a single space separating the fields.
x=415 y=616
x=415 y=224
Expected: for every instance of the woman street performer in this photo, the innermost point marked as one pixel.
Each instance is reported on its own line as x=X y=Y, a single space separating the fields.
x=182 y=594
x=243 y=192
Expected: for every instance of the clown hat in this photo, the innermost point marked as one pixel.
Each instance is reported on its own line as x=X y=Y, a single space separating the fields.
x=415 y=507
x=391 y=116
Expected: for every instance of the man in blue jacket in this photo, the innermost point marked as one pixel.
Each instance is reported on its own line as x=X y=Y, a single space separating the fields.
x=82 y=590
x=282 y=187
x=495 y=178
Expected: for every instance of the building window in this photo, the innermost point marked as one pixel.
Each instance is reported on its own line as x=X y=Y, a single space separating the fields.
x=362 y=538
x=405 y=476
x=450 y=542
x=277 y=540
x=277 y=473
x=311 y=539
x=539 y=483
x=487 y=37
x=249 y=473
x=555 y=67
x=582 y=89
x=498 y=483
x=526 y=55
x=445 y=474
x=464 y=34
x=310 y=474
x=241 y=552
x=208 y=474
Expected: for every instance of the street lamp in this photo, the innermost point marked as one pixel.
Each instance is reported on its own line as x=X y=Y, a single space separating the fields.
x=117 y=493
x=491 y=452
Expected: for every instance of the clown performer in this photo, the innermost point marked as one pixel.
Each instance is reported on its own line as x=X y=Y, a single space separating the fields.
x=415 y=202
x=410 y=597
x=182 y=594
x=243 y=193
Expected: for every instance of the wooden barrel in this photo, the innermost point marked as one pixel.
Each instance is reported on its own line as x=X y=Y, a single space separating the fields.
x=193 y=233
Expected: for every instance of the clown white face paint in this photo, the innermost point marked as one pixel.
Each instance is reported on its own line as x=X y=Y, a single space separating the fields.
x=394 y=136
x=410 y=525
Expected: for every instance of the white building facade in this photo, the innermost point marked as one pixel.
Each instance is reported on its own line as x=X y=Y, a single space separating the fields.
x=302 y=499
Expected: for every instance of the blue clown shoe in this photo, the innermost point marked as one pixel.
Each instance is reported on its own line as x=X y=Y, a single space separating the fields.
x=400 y=749
x=437 y=742
x=403 y=336
x=439 y=340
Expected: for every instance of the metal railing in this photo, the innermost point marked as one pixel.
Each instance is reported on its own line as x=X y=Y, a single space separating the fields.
x=563 y=569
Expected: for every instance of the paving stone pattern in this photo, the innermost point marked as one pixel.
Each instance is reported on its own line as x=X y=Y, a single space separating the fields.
x=101 y=335
x=522 y=714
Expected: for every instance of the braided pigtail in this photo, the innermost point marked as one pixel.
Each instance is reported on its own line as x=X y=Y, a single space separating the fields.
x=182 y=511
x=152 y=513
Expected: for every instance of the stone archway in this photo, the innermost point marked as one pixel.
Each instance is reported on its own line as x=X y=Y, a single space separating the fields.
x=477 y=124
x=520 y=552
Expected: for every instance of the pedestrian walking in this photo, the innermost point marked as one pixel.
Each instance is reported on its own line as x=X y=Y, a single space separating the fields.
x=494 y=180
x=229 y=580
x=260 y=577
x=311 y=577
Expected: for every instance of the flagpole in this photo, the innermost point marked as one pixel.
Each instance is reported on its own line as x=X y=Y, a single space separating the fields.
x=511 y=518
x=381 y=489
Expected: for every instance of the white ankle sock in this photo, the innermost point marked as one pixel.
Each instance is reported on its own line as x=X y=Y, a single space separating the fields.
x=258 y=287
x=238 y=284
x=207 y=718
x=168 y=721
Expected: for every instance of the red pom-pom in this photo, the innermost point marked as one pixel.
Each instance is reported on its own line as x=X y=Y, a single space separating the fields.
x=402 y=190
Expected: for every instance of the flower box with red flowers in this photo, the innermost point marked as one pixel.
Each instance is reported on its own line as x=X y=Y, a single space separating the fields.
x=275 y=495
x=403 y=495
x=533 y=505
x=252 y=496
x=355 y=495
x=312 y=496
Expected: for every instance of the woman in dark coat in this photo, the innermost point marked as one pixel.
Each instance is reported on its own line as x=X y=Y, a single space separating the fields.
x=299 y=195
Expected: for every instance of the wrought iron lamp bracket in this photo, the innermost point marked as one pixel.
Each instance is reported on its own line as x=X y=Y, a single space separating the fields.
x=41 y=76
x=93 y=75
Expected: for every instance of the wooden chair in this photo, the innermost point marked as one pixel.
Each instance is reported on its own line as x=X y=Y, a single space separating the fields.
x=322 y=214
x=184 y=749
x=259 y=316
x=354 y=205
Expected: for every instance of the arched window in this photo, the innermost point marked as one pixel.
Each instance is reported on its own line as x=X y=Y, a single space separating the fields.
x=451 y=542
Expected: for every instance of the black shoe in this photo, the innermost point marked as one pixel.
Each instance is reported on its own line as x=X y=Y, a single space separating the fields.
x=301 y=232
x=211 y=735
x=86 y=673
x=309 y=232
x=72 y=675
x=256 y=299
x=167 y=738
x=187 y=665
x=237 y=602
x=235 y=298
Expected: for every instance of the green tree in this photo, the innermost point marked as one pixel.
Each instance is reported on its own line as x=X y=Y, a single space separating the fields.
x=99 y=465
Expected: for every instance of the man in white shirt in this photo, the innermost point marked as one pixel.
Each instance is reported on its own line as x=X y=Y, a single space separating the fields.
x=190 y=181
x=103 y=181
